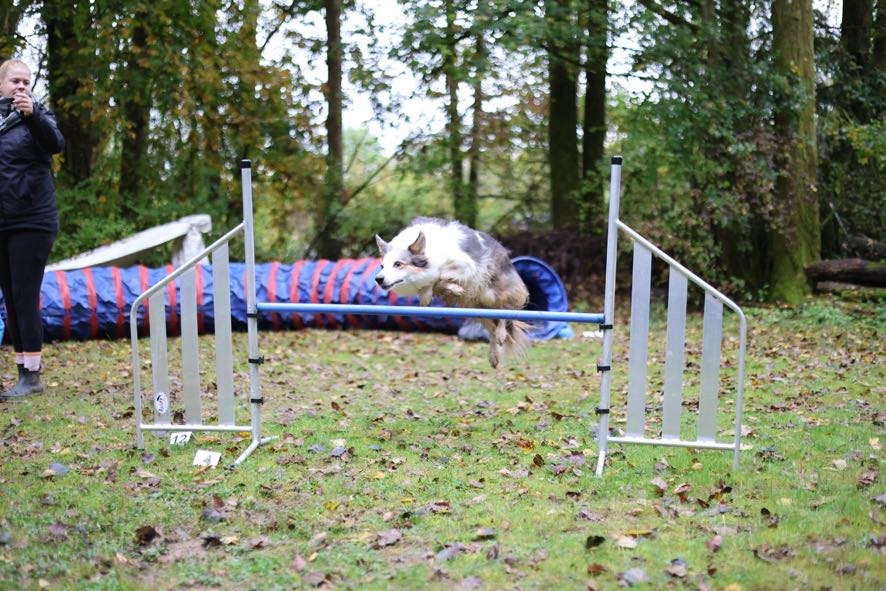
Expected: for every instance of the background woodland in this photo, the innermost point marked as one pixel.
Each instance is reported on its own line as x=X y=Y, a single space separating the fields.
x=752 y=131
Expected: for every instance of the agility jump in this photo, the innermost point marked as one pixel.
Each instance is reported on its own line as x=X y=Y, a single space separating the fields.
x=705 y=436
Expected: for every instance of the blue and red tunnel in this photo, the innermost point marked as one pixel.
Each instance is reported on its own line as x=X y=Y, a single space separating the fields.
x=95 y=302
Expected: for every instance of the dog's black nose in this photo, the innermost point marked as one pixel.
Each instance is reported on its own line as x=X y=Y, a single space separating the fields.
x=380 y=280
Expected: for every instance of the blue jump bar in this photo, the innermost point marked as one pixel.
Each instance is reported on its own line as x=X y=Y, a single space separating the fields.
x=432 y=312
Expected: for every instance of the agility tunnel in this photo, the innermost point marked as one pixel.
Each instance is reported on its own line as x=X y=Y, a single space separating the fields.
x=95 y=302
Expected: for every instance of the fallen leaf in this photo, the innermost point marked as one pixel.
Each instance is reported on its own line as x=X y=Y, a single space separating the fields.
x=485 y=533
x=866 y=479
x=770 y=554
x=440 y=507
x=58 y=531
x=142 y=473
x=145 y=534
x=586 y=513
x=770 y=517
x=593 y=541
x=298 y=563
x=677 y=568
x=633 y=576
x=595 y=568
x=448 y=552
x=715 y=543
x=212 y=515
x=314 y=579
x=388 y=537
x=492 y=553
x=58 y=469
x=626 y=542
x=318 y=540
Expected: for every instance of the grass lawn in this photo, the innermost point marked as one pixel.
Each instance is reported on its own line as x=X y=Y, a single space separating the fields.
x=402 y=461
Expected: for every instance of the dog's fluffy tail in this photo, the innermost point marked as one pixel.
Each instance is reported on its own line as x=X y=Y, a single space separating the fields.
x=518 y=342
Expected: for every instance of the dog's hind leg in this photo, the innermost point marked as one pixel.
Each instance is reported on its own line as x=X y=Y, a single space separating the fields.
x=501 y=332
x=495 y=345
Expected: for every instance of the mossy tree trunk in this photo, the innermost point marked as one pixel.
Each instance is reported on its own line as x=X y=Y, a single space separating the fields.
x=796 y=241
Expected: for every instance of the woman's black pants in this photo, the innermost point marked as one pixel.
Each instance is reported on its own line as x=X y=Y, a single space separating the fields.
x=23 y=256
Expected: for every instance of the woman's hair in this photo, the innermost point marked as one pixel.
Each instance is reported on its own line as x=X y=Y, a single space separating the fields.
x=4 y=67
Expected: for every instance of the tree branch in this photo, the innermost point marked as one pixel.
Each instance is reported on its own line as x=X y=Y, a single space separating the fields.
x=670 y=17
x=350 y=196
x=287 y=14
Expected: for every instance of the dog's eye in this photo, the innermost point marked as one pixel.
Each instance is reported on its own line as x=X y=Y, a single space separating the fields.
x=398 y=264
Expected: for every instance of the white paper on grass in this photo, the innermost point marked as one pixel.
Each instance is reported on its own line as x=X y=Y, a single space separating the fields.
x=207 y=458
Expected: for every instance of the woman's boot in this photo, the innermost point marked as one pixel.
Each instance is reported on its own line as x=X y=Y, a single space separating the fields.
x=28 y=383
x=21 y=369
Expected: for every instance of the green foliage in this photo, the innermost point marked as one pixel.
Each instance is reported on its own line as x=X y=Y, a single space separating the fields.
x=701 y=149
x=79 y=232
x=852 y=148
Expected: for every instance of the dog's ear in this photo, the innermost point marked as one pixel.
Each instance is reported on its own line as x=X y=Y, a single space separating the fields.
x=383 y=246
x=418 y=247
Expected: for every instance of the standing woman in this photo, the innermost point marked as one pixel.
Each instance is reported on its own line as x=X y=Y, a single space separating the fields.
x=29 y=136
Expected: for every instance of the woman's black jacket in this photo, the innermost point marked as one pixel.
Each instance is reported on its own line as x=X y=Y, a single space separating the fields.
x=27 y=192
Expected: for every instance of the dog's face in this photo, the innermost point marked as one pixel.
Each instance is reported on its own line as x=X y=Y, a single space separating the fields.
x=404 y=266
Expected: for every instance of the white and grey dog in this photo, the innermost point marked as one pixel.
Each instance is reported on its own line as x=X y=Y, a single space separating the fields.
x=461 y=266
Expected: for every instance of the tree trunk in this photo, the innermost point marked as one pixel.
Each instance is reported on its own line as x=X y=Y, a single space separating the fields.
x=69 y=61
x=855 y=29
x=563 y=117
x=136 y=109
x=10 y=17
x=855 y=39
x=743 y=240
x=461 y=202
x=855 y=271
x=796 y=242
x=594 y=125
x=878 y=53
x=328 y=245
x=473 y=196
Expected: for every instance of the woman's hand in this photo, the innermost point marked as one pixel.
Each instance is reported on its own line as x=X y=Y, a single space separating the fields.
x=23 y=103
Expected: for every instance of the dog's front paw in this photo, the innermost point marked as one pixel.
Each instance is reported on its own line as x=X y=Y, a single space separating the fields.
x=454 y=289
x=424 y=298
